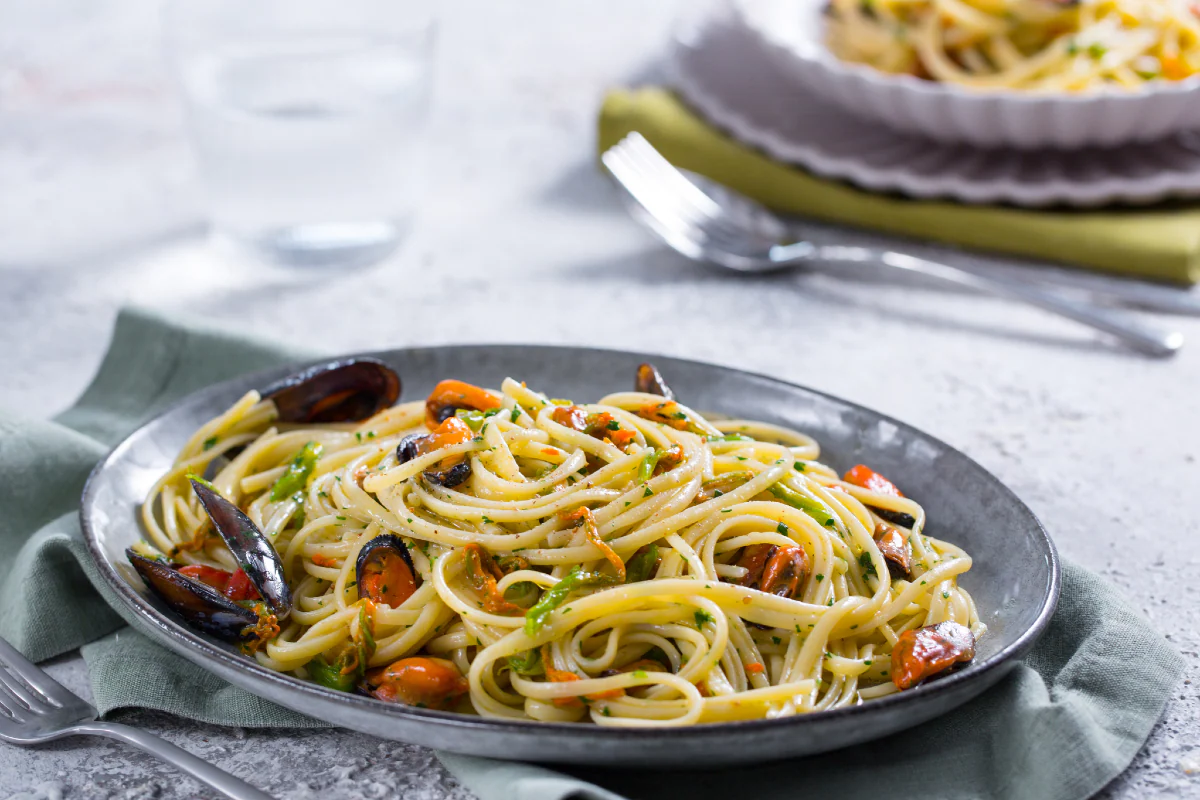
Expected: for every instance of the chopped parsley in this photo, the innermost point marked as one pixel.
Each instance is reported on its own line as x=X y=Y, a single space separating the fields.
x=781 y=528
x=210 y=442
x=776 y=640
x=295 y=478
x=648 y=492
x=702 y=617
x=800 y=466
x=820 y=577
x=868 y=564
x=613 y=425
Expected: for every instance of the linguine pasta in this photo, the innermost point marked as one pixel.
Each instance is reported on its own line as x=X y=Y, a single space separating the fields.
x=629 y=562
x=1035 y=45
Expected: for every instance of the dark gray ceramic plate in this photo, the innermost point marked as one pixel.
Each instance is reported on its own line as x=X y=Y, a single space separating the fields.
x=1015 y=579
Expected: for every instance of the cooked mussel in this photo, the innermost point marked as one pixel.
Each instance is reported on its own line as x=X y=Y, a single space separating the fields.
x=450 y=471
x=650 y=381
x=451 y=396
x=417 y=681
x=203 y=605
x=774 y=569
x=925 y=652
x=245 y=606
x=250 y=548
x=895 y=517
x=384 y=571
x=896 y=551
x=864 y=476
x=348 y=390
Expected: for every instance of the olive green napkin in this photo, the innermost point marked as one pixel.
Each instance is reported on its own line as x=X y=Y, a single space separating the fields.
x=1061 y=725
x=1161 y=243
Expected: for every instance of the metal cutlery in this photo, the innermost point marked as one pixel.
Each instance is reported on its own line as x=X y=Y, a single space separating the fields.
x=35 y=708
x=700 y=228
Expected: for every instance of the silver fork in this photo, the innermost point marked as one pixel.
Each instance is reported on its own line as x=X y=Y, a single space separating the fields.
x=35 y=708
x=698 y=227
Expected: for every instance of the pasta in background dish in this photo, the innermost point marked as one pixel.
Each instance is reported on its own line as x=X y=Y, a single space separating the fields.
x=1035 y=45
x=499 y=552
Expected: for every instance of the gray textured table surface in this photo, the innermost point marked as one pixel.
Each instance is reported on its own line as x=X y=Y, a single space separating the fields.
x=521 y=240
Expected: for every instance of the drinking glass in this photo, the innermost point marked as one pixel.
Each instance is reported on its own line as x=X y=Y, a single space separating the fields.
x=308 y=119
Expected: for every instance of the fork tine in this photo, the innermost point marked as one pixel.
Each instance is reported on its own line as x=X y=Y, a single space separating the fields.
x=659 y=202
x=12 y=704
x=643 y=191
x=670 y=174
x=659 y=211
x=35 y=676
x=30 y=697
x=662 y=194
x=694 y=202
x=689 y=205
x=671 y=232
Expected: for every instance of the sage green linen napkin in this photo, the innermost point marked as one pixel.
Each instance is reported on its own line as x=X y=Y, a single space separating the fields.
x=1064 y=723
x=1161 y=242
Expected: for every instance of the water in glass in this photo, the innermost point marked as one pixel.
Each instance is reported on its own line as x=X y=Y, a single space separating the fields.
x=310 y=145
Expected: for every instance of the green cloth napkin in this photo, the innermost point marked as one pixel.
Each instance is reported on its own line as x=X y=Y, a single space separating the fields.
x=1161 y=243
x=1061 y=725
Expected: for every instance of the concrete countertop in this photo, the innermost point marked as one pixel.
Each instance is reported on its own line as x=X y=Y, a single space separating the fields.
x=521 y=240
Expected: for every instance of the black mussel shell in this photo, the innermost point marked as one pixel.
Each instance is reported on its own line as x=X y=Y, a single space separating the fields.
x=201 y=605
x=378 y=550
x=250 y=547
x=452 y=476
x=350 y=390
x=409 y=448
x=650 y=381
x=895 y=517
x=221 y=462
x=446 y=412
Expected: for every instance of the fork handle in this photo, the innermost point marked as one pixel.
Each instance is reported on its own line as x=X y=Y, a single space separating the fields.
x=198 y=768
x=1143 y=338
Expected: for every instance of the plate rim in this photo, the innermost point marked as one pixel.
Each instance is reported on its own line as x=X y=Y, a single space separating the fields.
x=200 y=646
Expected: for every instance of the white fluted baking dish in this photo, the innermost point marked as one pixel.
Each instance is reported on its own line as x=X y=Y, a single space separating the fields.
x=792 y=32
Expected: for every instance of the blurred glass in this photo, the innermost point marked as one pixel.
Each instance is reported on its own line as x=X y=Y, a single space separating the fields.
x=308 y=118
